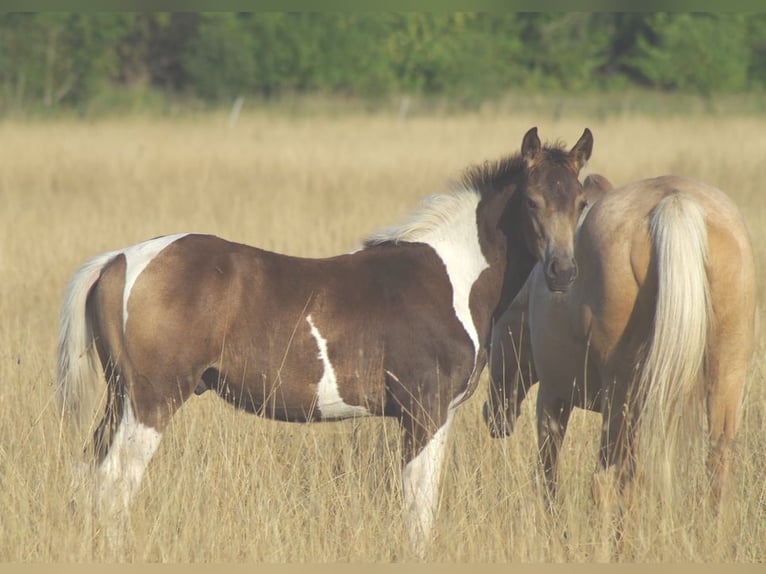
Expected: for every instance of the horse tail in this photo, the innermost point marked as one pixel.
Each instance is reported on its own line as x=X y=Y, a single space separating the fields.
x=78 y=364
x=671 y=375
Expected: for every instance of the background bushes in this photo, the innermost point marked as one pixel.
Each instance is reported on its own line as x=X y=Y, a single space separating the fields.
x=65 y=60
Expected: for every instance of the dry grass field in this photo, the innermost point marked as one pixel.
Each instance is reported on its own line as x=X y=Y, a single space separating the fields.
x=227 y=486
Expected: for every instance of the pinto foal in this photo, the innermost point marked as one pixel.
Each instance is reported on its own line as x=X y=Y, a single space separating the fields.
x=398 y=328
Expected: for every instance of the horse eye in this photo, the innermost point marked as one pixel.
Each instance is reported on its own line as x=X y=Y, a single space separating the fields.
x=583 y=205
x=531 y=203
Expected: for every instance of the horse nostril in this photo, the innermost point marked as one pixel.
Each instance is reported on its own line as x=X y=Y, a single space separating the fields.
x=570 y=272
x=562 y=273
x=553 y=268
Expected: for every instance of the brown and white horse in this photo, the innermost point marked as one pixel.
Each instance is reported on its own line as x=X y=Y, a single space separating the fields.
x=660 y=321
x=397 y=328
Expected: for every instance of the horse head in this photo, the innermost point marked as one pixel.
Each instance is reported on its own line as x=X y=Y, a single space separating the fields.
x=554 y=200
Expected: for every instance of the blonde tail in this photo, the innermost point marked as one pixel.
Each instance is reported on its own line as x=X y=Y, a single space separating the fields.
x=78 y=365
x=670 y=377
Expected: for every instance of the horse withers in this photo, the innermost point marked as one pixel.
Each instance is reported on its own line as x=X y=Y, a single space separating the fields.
x=399 y=327
x=659 y=323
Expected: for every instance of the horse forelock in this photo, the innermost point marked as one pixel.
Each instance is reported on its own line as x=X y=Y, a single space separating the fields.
x=493 y=176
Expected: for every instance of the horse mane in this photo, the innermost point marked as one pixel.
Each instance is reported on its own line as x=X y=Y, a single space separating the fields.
x=433 y=213
x=492 y=176
x=476 y=182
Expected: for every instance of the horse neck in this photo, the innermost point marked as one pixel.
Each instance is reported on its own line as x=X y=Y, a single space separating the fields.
x=474 y=266
x=509 y=263
x=518 y=260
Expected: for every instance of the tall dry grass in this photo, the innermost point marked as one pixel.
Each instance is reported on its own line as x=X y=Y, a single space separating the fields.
x=228 y=486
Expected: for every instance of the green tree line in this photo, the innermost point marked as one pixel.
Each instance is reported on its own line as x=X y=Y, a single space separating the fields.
x=64 y=60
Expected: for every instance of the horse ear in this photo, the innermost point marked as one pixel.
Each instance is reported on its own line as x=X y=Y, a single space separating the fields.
x=596 y=185
x=581 y=151
x=598 y=181
x=530 y=146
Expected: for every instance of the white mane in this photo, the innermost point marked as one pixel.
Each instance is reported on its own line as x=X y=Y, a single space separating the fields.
x=432 y=215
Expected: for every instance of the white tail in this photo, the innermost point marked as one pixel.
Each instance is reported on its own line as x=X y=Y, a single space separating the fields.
x=78 y=362
x=671 y=374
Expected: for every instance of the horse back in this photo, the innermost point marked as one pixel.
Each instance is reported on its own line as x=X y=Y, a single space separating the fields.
x=619 y=277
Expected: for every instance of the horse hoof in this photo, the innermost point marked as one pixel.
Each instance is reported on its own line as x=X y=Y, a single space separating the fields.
x=497 y=428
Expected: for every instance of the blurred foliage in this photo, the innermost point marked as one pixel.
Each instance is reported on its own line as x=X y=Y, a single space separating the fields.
x=61 y=60
x=704 y=52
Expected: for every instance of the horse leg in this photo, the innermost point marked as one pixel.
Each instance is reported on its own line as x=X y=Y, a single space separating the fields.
x=122 y=468
x=137 y=417
x=616 y=460
x=423 y=452
x=552 y=419
x=726 y=378
x=618 y=416
x=511 y=369
x=121 y=448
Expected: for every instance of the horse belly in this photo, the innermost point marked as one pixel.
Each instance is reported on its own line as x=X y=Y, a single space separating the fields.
x=303 y=377
x=269 y=395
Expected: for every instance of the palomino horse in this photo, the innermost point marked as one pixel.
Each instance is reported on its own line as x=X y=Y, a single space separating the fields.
x=397 y=328
x=662 y=313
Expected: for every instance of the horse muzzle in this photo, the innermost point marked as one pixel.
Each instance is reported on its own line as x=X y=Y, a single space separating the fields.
x=560 y=274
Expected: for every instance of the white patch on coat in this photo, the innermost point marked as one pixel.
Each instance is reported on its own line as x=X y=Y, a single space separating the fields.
x=420 y=486
x=421 y=478
x=460 y=251
x=137 y=257
x=120 y=473
x=329 y=401
x=447 y=223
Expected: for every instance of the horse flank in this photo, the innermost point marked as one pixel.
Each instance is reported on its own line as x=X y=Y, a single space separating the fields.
x=670 y=377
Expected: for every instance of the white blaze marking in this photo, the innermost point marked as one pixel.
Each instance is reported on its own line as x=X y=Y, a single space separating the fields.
x=121 y=471
x=329 y=401
x=137 y=257
x=457 y=245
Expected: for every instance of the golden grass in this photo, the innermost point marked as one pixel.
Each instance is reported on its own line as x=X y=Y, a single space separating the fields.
x=228 y=486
